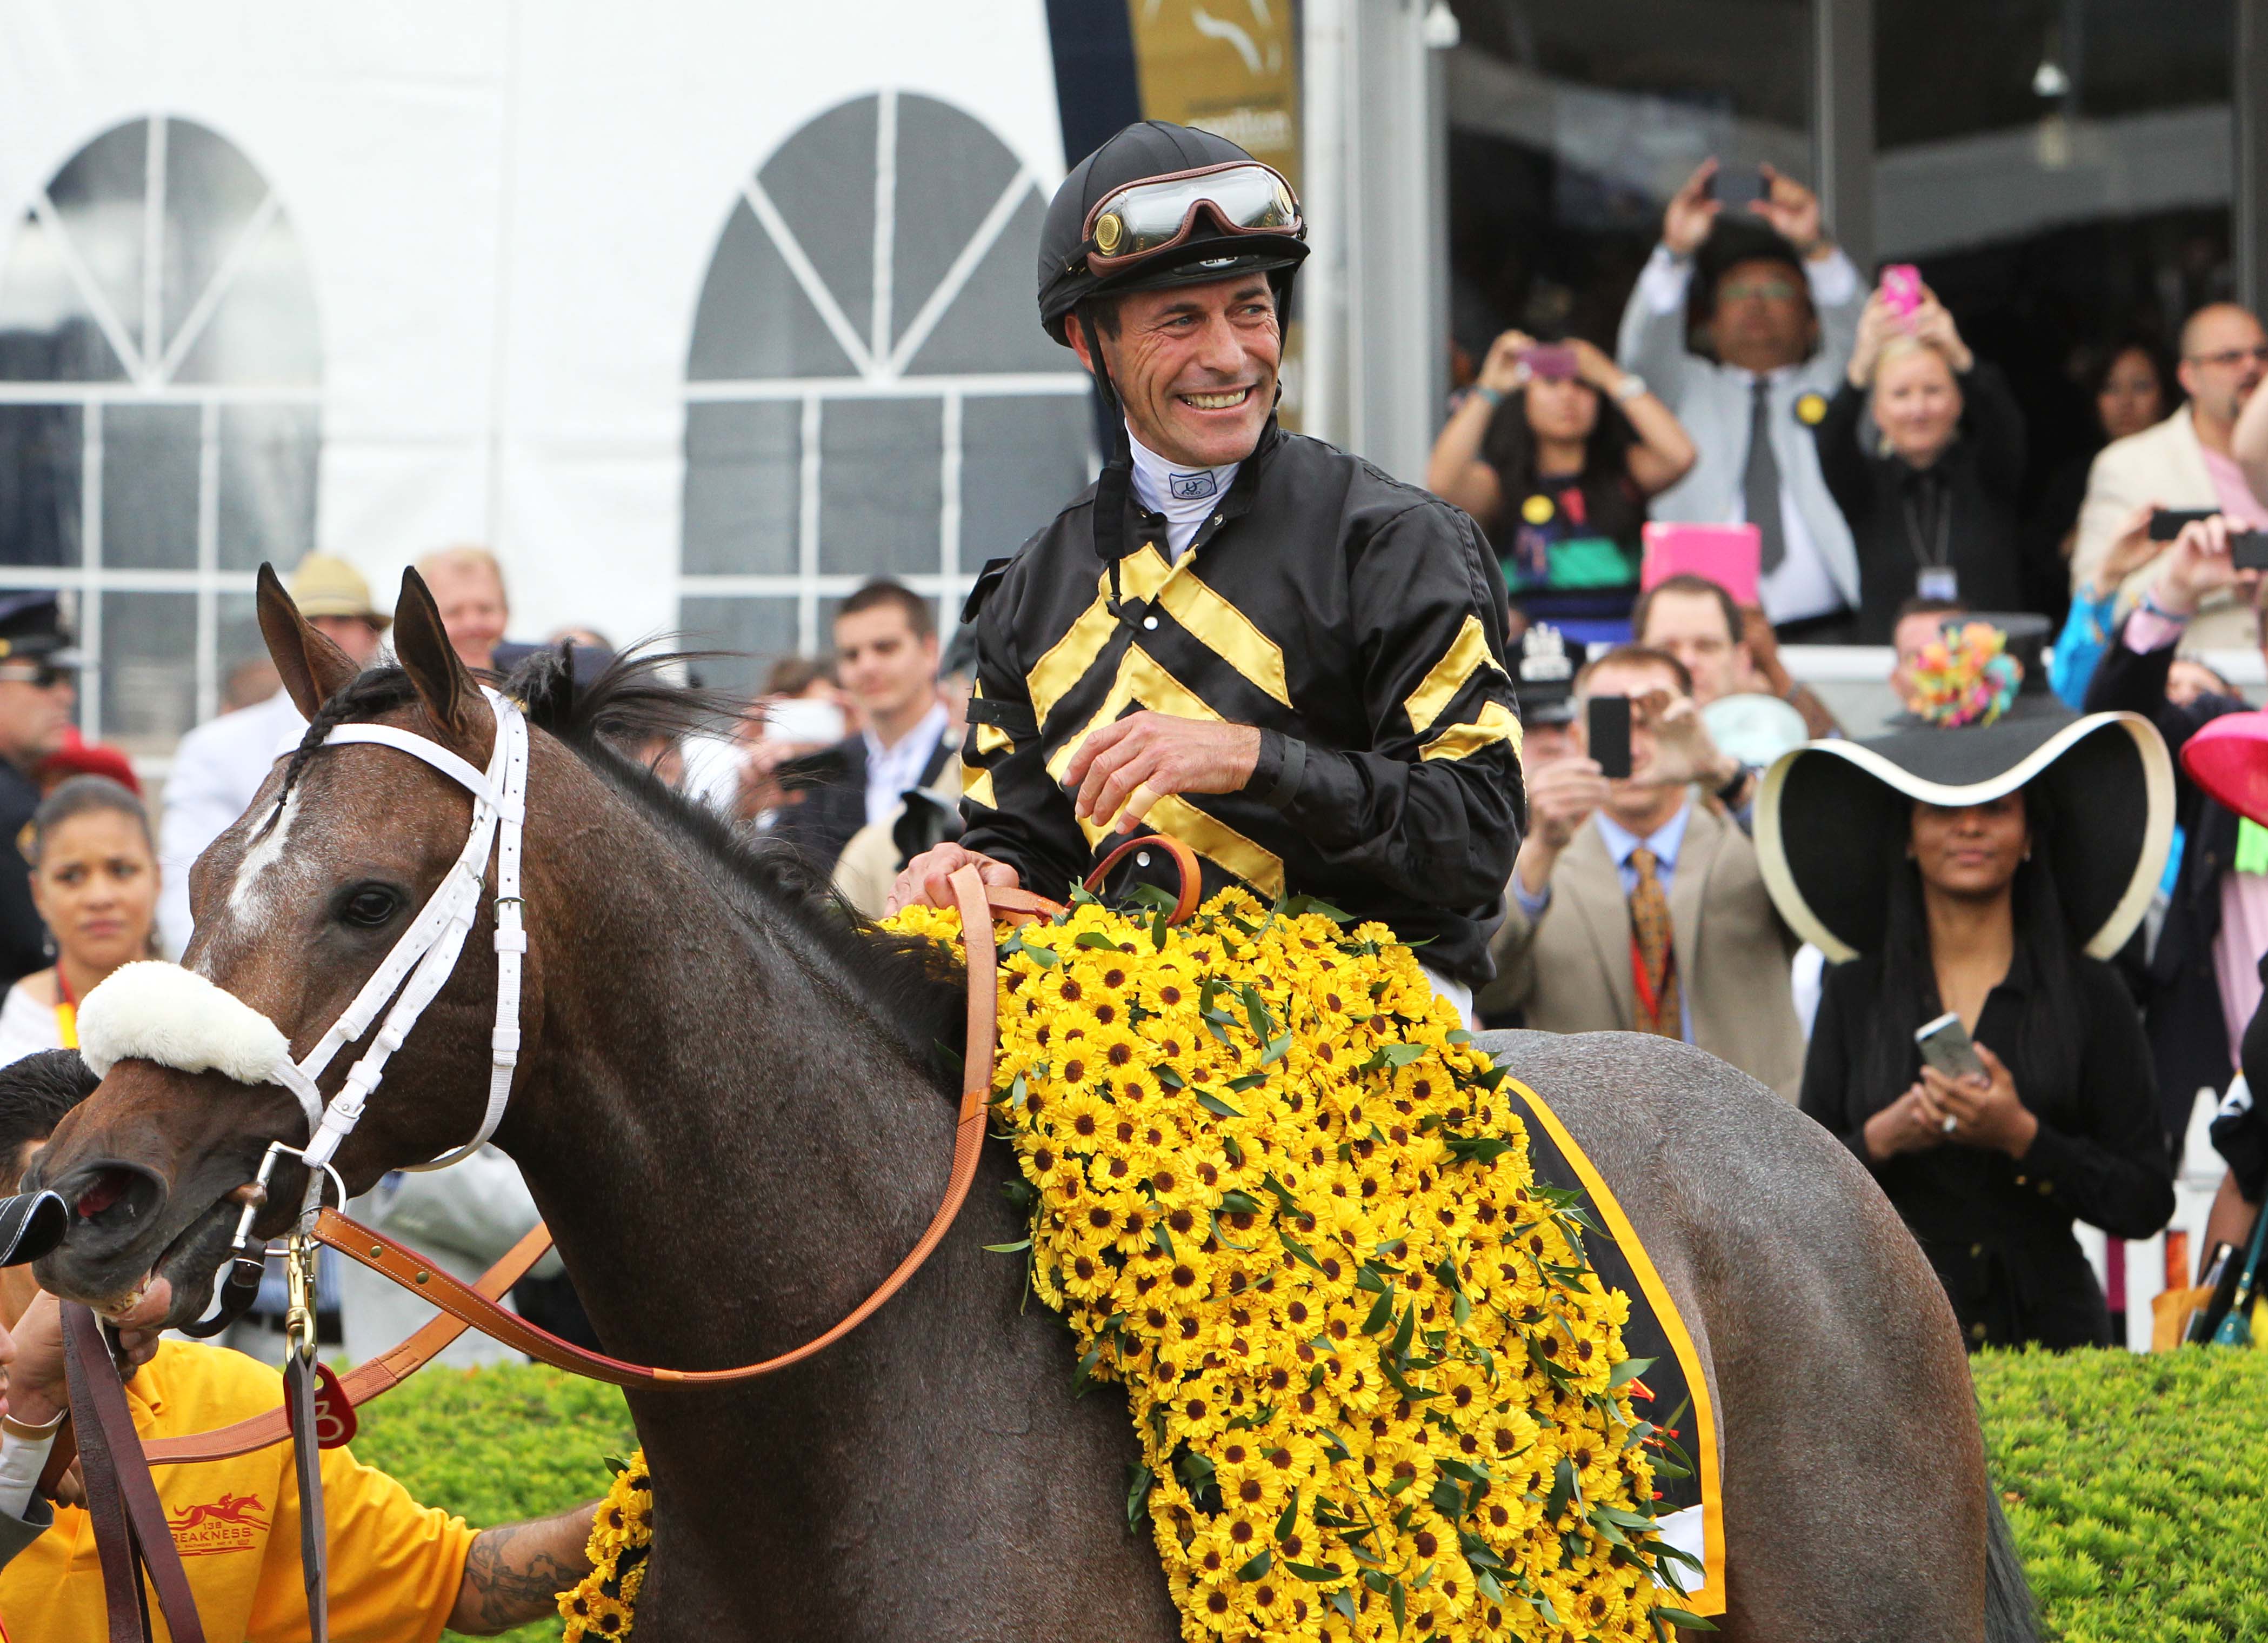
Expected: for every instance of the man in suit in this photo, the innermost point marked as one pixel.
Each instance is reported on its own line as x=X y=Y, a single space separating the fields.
x=1635 y=906
x=885 y=656
x=2184 y=461
x=1776 y=306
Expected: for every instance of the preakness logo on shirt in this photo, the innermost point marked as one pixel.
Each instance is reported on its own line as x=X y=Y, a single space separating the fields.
x=231 y=1523
x=1189 y=487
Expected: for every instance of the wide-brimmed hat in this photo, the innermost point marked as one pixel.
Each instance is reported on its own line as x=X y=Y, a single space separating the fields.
x=1832 y=819
x=328 y=586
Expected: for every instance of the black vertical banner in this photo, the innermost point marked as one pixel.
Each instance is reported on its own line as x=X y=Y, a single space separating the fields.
x=1097 y=91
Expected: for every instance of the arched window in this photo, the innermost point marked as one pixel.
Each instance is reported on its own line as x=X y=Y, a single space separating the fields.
x=868 y=390
x=159 y=373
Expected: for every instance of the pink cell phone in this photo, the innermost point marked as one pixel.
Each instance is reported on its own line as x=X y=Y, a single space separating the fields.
x=1902 y=289
x=1553 y=362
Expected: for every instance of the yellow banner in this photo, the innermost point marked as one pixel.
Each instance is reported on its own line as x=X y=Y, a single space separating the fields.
x=1230 y=67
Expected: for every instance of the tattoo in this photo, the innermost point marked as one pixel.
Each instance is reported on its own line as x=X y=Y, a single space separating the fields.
x=514 y=1574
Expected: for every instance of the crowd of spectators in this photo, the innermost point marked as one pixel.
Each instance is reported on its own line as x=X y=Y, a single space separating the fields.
x=1760 y=381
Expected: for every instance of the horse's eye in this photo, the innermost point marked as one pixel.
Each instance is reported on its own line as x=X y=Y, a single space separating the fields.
x=369 y=907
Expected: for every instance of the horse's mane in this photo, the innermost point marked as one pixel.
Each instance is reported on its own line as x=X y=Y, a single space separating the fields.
x=913 y=987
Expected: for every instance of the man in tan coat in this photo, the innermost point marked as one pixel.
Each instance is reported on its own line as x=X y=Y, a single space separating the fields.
x=1636 y=904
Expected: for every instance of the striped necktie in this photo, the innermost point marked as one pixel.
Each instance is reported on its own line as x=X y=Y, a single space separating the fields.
x=1654 y=964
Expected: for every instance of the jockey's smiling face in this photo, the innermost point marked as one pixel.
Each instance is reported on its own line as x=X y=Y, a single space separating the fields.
x=1195 y=367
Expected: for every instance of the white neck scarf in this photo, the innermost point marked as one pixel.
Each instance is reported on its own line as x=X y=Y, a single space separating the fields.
x=1186 y=496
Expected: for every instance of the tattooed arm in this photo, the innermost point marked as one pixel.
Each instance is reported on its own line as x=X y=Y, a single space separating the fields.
x=514 y=1574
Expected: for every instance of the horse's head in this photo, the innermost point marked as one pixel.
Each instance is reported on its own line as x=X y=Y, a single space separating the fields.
x=297 y=905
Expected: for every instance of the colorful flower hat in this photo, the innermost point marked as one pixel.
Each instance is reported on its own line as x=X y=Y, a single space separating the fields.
x=1832 y=816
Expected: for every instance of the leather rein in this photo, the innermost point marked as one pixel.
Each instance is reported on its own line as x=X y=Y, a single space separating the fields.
x=131 y=1531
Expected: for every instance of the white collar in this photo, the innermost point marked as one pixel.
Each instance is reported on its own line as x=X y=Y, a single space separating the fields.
x=1186 y=496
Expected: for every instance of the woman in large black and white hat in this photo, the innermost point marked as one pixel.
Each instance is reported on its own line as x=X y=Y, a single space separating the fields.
x=1986 y=861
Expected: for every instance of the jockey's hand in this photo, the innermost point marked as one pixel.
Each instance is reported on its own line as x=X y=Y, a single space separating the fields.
x=1131 y=762
x=927 y=880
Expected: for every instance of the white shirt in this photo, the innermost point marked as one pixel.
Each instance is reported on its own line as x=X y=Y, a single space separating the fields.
x=26 y=1027
x=891 y=770
x=1186 y=496
x=1799 y=586
x=217 y=770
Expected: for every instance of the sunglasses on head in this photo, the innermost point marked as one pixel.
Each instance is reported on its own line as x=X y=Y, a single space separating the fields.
x=1159 y=213
x=41 y=674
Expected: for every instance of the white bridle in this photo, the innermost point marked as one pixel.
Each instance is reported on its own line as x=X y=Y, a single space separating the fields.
x=165 y=1014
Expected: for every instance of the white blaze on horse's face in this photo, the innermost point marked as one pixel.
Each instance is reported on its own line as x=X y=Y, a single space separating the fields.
x=267 y=874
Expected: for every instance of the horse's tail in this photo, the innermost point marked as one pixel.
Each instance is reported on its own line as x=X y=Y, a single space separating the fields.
x=2009 y=1615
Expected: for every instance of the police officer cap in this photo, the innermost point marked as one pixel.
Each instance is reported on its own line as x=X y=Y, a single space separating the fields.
x=32 y=628
x=1145 y=149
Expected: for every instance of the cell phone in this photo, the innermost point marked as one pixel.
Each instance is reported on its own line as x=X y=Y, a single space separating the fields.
x=2167 y=523
x=1740 y=186
x=1607 y=732
x=1552 y=361
x=1945 y=1045
x=2248 y=551
x=1902 y=289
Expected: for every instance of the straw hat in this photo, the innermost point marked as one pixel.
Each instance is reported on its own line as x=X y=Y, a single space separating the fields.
x=328 y=586
x=1833 y=816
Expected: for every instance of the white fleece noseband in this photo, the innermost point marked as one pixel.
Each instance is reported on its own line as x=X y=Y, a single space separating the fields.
x=162 y=1013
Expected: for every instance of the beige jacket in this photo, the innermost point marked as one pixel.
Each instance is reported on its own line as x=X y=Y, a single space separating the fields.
x=1570 y=970
x=2164 y=464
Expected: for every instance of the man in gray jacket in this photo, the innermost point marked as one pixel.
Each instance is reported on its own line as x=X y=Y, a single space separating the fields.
x=1775 y=306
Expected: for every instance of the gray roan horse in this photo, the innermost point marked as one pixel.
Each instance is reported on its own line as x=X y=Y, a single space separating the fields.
x=729 y=1111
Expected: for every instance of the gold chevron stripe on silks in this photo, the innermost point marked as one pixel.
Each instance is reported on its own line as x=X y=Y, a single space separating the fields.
x=1466 y=655
x=1497 y=723
x=977 y=786
x=1218 y=625
x=1141 y=679
x=1068 y=659
x=1218 y=843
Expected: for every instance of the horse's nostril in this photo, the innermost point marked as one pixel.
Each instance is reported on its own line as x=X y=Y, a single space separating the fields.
x=107 y=1188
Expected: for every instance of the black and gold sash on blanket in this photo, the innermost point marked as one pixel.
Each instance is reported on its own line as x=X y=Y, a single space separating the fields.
x=1691 y=1509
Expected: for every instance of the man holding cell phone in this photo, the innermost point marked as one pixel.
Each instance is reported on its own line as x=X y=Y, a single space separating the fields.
x=1742 y=321
x=1636 y=906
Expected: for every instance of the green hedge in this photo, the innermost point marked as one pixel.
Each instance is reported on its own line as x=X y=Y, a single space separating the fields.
x=2137 y=1487
x=495 y=1446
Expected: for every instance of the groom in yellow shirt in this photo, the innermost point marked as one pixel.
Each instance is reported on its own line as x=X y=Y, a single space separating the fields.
x=399 y=1571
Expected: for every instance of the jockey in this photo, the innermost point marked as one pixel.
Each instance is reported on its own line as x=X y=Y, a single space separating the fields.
x=1238 y=636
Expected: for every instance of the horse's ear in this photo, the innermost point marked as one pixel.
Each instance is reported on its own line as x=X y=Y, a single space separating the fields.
x=312 y=667
x=421 y=644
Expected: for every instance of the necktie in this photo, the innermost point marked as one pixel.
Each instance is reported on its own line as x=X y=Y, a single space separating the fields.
x=1760 y=485
x=1653 y=964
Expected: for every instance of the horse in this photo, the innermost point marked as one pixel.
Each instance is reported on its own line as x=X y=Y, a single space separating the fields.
x=730 y=1108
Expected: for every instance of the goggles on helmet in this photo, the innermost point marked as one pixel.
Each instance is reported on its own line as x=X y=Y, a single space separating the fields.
x=1159 y=213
